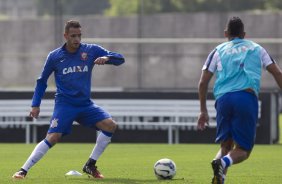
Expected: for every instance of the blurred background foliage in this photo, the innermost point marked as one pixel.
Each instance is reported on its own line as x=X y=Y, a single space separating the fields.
x=131 y=7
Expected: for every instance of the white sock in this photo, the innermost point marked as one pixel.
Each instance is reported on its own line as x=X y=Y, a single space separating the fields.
x=226 y=161
x=223 y=163
x=101 y=143
x=38 y=152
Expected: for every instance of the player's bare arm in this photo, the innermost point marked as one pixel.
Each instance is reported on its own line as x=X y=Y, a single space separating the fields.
x=34 y=112
x=276 y=73
x=203 y=118
x=101 y=60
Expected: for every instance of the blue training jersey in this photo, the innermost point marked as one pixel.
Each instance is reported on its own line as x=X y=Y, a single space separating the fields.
x=72 y=73
x=237 y=64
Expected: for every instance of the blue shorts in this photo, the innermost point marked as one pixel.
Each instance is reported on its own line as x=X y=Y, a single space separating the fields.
x=237 y=115
x=65 y=114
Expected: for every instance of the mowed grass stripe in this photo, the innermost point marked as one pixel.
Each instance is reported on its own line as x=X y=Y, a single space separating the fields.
x=133 y=164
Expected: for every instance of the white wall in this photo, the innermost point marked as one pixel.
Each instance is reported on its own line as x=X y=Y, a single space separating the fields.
x=25 y=44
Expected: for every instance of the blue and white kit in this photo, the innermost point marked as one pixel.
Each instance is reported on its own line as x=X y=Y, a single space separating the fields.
x=72 y=72
x=237 y=65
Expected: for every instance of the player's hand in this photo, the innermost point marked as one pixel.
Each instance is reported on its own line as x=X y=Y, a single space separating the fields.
x=101 y=60
x=203 y=120
x=34 y=112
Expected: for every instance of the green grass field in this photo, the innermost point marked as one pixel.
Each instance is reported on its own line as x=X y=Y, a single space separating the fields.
x=133 y=164
x=280 y=129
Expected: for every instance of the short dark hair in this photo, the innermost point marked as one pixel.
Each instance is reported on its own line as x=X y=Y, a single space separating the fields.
x=235 y=26
x=73 y=24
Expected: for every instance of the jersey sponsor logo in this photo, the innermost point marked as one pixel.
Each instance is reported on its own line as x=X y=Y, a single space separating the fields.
x=75 y=69
x=84 y=56
x=239 y=50
x=54 y=123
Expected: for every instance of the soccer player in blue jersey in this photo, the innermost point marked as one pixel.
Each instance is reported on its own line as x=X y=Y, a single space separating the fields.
x=237 y=64
x=72 y=66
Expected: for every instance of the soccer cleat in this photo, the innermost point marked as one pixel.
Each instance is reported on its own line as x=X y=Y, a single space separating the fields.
x=20 y=174
x=217 y=172
x=92 y=171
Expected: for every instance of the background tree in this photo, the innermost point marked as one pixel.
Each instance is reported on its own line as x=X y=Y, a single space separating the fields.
x=72 y=7
x=131 y=7
x=121 y=7
x=125 y=7
x=273 y=4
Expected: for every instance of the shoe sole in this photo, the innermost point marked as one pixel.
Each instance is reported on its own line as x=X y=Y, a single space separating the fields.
x=216 y=180
x=90 y=176
x=18 y=177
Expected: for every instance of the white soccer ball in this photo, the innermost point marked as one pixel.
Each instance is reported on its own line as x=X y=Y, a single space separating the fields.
x=165 y=169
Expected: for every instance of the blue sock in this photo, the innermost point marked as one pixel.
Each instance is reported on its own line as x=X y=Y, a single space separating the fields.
x=227 y=161
x=109 y=134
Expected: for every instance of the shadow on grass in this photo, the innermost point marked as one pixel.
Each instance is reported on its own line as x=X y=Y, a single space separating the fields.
x=125 y=180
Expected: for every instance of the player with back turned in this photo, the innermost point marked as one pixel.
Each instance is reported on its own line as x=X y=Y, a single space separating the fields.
x=72 y=66
x=237 y=64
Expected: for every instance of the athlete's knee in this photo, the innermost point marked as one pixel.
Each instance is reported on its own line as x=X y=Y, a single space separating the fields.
x=113 y=126
x=108 y=125
x=53 y=138
x=227 y=146
x=248 y=153
x=245 y=154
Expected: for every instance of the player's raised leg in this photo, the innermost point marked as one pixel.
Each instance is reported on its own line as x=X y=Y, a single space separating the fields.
x=218 y=166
